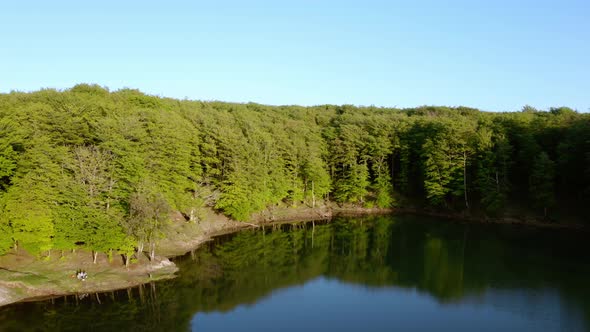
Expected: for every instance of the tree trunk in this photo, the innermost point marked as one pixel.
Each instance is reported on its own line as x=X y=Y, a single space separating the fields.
x=312 y=195
x=192 y=217
x=127 y=259
x=152 y=251
x=109 y=191
x=545 y=212
x=465 y=178
x=94 y=256
x=139 y=247
x=392 y=168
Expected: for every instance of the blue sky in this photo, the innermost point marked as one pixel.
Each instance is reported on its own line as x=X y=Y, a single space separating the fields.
x=495 y=55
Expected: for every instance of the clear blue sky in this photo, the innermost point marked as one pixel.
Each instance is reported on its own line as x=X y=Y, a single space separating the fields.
x=495 y=55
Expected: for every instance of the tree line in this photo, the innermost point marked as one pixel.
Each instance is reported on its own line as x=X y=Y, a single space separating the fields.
x=100 y=170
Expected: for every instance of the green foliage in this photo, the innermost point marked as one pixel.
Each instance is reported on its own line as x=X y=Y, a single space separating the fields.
x=7 y=161
x=542 y=182
x=442 y=170
x=80 y=168
x=6 y=240
x=492 y=164
x=29 y=217
x=352 y=187
x=237 y=201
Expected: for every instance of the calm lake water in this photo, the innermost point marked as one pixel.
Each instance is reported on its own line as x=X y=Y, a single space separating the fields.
x=386 y=273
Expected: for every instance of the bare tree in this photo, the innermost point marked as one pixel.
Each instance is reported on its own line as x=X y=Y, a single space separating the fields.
x=148 y=213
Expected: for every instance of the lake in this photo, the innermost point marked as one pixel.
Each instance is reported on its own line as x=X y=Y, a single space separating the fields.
x=380 y=273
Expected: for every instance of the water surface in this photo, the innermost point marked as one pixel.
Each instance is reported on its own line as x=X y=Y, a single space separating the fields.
x=402 y=273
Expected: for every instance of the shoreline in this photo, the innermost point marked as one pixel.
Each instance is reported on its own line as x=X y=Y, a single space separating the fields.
x=524 y=221
x=31 y=280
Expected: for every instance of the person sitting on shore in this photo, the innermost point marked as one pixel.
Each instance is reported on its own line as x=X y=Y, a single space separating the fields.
x=81 y=275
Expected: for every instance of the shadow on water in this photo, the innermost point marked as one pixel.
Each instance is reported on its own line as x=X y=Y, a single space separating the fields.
x=517 y=270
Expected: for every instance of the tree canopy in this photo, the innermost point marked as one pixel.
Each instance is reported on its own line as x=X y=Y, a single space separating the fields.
x=91 y=168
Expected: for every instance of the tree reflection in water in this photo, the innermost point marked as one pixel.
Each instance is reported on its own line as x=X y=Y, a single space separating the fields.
x=513 y=269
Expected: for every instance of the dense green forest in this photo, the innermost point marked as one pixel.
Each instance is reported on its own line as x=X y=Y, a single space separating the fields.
x=100 y=170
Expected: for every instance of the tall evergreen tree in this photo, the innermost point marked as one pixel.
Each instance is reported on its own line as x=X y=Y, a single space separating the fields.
x=542 y=182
